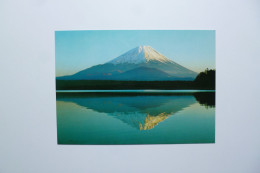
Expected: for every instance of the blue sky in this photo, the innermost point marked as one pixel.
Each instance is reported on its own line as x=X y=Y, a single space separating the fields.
x=78 y=50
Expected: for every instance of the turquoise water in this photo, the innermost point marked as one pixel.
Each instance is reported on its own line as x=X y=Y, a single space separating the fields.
x=135 y=118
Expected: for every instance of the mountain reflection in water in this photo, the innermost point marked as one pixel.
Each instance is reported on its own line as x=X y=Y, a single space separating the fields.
x=142 y=112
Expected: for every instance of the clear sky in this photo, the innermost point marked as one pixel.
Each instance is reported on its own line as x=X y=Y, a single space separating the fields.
x=78 y=50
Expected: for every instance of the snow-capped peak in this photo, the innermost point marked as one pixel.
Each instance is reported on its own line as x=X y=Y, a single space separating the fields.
x=140 y=54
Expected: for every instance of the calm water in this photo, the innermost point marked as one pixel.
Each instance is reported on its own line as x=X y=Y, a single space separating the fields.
x=135 y=117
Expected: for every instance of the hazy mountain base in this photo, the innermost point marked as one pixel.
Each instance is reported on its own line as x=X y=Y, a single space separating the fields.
x=151 y=71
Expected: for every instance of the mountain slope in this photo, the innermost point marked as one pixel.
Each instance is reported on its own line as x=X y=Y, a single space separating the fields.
x=143 y=73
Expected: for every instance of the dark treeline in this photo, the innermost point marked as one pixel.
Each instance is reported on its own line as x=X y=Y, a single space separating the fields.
x=204 y=80
x=120 y=85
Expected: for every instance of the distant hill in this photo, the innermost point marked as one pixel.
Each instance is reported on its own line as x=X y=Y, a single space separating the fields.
x=142 y=63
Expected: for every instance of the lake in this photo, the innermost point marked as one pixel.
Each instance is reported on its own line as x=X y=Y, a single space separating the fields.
x=135 y=117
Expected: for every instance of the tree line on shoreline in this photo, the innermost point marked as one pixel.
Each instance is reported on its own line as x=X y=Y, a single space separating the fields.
x=204 y=80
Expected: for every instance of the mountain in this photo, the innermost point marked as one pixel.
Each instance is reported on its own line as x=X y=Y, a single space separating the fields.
x=142 y=63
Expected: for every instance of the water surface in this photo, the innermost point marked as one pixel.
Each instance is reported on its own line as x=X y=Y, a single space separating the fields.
x=135 y=117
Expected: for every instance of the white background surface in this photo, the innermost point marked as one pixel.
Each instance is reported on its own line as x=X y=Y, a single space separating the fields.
x=28 y=141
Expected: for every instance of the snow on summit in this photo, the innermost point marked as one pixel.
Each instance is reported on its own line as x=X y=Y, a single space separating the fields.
x=140 y=54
